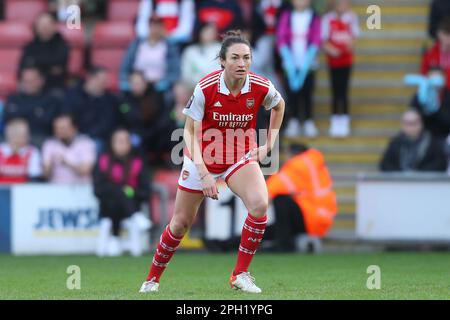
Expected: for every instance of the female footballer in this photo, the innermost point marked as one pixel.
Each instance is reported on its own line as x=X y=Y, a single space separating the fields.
x=220 y=143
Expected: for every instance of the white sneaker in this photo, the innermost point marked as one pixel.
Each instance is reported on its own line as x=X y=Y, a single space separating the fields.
x=345 y=125
x=114 y=247
x=149 y=286
x=293 y=128
x=104 y=234
x=334 y=122
x=245 y=282
x=142 y=221
x=310 y=129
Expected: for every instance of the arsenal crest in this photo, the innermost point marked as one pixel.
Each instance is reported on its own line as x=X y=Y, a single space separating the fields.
x=250 y=103
x=185 y=174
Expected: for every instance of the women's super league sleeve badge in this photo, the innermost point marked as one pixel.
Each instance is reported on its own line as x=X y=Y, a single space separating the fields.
x=190 y=102
x=250 y=103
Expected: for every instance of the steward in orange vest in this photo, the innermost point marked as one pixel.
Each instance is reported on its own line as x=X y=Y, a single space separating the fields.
x=302 y=196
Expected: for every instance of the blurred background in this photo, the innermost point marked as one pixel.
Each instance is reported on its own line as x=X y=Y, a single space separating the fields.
x=90 y=92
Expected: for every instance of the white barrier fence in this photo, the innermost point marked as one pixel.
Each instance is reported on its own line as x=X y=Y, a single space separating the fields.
x=403 y=208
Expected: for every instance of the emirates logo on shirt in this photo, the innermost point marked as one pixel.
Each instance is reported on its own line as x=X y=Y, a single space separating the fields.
x=250 y=103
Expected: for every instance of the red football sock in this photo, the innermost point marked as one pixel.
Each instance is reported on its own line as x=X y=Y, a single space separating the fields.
x=167 y=246
x=252 y=234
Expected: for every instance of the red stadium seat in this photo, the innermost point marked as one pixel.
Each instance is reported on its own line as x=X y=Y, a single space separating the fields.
x=14 y=34
x=168 y=179
x=77 y=42
x=8 y=83
x=110 y=59
x=9 y=60
x=112 y=35
x=24 y=10
x=74 y=37
x=76 y=62
x=122 y=10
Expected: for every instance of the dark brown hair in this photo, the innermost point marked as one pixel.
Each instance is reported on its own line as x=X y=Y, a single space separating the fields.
x=444 y=25
x=229 y=38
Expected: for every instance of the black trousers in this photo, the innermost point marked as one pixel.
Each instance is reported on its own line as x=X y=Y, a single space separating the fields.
x=117 y=207
x=340 y=79
x=289 y=223
x=301 y=101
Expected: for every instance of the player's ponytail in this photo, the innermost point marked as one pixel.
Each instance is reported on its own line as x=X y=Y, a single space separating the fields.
x=229 y=38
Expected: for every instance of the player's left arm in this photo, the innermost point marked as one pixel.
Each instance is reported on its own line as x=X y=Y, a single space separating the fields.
x=276 y=118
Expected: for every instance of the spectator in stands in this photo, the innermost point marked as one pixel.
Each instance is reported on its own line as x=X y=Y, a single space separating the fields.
x=447 y=153
x=437 y=60
x=94 y=106
x=47 y=51
x=200 y=58
x=33 y=104
x=68 y=157
x=154 y=56
x=177 y=17
x=225 y=14
x=298 y=41
x=182 y=92
x=121 y=184
x=438 y=10
x=339 y=30
x=142 y=111
x=303 y=200
x=413 y=149
x=19 y=161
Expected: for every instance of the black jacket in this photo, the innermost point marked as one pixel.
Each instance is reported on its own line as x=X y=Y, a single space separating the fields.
x=110 y=191
x=45 y=56
x=427 y=154
x=97 y=116
x=38 y=110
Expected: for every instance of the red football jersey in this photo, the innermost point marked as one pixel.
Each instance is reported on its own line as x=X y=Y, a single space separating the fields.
x=228 y=123
x=339 y=31
x=437 y=59
x=18 y=167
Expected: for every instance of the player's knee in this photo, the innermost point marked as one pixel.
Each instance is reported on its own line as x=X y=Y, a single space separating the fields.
x=179 y=226
x=258 y=208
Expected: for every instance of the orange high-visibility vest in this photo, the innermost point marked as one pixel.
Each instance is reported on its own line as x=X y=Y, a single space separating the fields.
x=306 y=178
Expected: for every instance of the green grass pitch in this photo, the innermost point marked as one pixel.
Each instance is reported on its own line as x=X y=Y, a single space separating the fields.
x=205 y=276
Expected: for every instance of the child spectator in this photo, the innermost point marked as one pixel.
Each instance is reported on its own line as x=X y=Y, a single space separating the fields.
x=339 y=30
x=19 y=161
x=298 y=40
x=121 y=184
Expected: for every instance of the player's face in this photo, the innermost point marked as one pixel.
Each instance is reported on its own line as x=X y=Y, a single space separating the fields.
x=238 y=61
x=444 y=40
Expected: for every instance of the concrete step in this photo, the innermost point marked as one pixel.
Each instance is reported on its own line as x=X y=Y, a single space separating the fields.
x=345 y=157
x=390 y=43
x=395 y=9
x=352 y=140
x=368 y=92
x=386 y=3
x=365 y=110
x=371 y=99
x=385 y=59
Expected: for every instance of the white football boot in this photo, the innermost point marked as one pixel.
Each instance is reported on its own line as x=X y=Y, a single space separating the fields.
x=149 y=286
x=245 y=282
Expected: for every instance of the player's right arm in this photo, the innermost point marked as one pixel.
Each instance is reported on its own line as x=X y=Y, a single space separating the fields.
x=194 y=112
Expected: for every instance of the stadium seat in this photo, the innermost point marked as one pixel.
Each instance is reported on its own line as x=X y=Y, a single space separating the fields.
x=112 y=35
x=8 y=83
x=9 y=59
x=14 y=34
x=24 y=10
x=122 y=10
x=168 y=179
x=110 y=59
x=77 y=42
